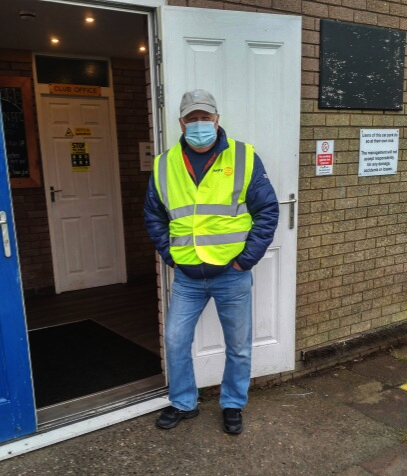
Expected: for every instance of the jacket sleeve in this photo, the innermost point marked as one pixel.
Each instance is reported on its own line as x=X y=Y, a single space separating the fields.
x=157 y=222
x=262 y=205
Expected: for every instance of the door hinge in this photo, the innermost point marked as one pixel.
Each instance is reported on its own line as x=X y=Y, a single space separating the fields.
x=158 y=50
x=160 y=96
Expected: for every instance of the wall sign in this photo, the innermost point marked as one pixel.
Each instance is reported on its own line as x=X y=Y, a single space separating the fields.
x=146 y=156
x=74 y=90
x=19 y=131
x=325 y=157
x=379 y=149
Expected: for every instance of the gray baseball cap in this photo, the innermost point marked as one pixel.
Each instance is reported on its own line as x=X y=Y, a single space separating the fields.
x=198 y=99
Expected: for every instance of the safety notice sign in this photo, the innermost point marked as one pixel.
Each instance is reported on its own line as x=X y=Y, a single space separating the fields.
x=379 y=150
x=83 y=131
x=325 y=157
x=80 y=157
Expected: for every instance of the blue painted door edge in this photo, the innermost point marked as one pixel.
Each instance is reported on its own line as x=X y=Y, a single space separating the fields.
x=17 y=407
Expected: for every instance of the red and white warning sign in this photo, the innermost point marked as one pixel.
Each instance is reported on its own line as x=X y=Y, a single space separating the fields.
x=325 y=157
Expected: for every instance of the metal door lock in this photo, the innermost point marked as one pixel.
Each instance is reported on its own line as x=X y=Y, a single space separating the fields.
x=291 y=202
x=4 y=234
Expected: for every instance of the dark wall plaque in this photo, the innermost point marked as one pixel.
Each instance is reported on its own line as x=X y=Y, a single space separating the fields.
x=361 y=67
x=14 y=131
x=19 y=131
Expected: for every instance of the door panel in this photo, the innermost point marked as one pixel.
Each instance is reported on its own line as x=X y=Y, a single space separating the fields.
x=265 y=328
x=17 y=412
x=84 y=233
x=251 y=63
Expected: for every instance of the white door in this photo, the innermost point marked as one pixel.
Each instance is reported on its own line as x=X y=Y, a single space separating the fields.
x=84 y=208
x=251 y=63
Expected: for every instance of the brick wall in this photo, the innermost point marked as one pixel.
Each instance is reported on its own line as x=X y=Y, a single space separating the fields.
x=352 y=260
x=130 y=90
x=30 y=209
x=352 y=231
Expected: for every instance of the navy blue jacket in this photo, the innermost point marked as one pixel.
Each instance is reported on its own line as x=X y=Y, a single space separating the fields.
x=261 y=203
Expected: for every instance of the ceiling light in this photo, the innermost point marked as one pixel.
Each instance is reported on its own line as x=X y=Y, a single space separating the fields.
x=54 y=40
x=142 y=49
x=89 y=19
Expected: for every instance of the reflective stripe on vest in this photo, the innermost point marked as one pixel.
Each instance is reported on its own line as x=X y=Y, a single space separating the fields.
x=202 y=240
x=228 y=210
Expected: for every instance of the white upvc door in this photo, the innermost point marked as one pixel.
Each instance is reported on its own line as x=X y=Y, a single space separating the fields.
x=84 y=208
x=251 y=63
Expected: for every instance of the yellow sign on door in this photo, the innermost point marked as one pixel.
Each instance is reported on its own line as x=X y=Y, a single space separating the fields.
x=80 y=157
x=83 y=131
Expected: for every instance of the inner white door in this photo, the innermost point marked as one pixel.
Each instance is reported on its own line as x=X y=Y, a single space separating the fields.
x=251 y=63
x=83 y=199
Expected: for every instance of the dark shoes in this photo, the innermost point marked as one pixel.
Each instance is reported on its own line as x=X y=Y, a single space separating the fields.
x=232 y=420
x=171 y=416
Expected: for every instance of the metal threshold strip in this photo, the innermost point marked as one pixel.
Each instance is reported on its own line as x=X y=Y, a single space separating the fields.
x=102 y=402
x=83 y=415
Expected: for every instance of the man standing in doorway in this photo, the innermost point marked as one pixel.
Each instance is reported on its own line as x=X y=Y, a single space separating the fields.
x=211 y=212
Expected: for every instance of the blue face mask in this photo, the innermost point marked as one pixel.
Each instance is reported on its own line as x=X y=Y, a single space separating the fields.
x=200 y=134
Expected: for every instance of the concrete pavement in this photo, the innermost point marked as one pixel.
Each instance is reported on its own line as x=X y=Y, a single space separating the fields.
x=350 y=420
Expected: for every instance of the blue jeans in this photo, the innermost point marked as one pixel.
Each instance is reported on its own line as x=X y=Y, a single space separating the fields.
x=232 y=293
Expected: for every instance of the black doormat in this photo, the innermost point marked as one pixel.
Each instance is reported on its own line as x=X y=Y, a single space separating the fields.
x=80 y=358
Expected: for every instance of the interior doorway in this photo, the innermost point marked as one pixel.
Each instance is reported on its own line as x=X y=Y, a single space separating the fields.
x=84 y=204
x=127 y=309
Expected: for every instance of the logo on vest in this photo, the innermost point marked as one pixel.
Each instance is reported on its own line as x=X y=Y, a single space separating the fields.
x=228 y=171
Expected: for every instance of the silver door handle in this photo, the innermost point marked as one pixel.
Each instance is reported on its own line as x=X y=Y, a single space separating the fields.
x=291 y=202
x=4 y=234
x=53 y=192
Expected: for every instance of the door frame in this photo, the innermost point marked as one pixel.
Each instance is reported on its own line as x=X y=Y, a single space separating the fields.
x=107 y=93
x=156 y=399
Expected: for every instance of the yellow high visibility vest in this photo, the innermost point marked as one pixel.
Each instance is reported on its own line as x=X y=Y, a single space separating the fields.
x=209 y=223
